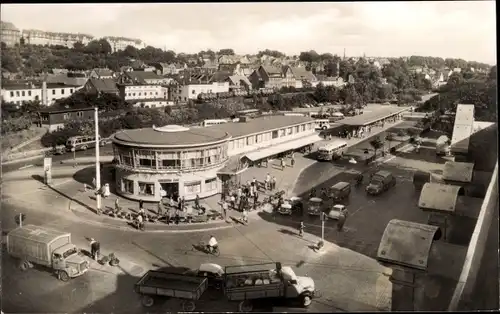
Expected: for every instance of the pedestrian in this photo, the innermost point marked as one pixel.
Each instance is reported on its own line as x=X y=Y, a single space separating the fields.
x=283 y=164
x=179 y=205
x=85 y=187
x=301 y=229
x=169 y=216
x=233 y=201
x=341 y=222
x=197 y=202
x=239 y=193
x=254 y=182
x=273 y=183
x=160 y=209
x=292 y=161
x=106 y=191
x=95 y=249
x=241 y=203
x=267 y=181
x=141 y=206
x=171 y=203
x=94 y=184
x=117 y=206
x=255 y=199
x=224 y=209
x=245 y=216
x=177 y=217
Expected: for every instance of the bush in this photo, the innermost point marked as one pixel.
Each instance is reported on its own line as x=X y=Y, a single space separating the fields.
x=16 y=124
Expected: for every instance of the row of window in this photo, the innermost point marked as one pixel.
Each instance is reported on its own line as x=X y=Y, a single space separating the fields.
x=171 y=160
x=145 y=94
x=148 y=188
x=23 y=93
x=264 y=137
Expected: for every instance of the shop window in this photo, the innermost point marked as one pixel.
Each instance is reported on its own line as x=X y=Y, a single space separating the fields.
x=250 y=140
x=282 y=132
x=288 y=131
x=127 y=160
x=193 y=187
x=297 y=129
x=128 y=186
x=208 y=160
x=211 y=184
x=275 y=134
x=146 y=188
x=147 y=163
x=259 y=138
x=170 y=163
x=303 y=127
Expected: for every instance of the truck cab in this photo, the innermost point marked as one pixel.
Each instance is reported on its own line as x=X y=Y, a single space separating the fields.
x=380 y=182
x=66 y=259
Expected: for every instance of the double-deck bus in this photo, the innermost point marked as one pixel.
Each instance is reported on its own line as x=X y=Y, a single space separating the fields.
x=332 y=150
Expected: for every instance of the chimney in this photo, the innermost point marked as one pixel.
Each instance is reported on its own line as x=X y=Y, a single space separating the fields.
x=45 y=96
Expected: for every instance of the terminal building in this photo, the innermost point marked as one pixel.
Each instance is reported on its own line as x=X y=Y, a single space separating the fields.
x=185 y=162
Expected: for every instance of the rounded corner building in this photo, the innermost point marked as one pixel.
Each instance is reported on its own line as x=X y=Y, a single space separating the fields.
x=185 y=162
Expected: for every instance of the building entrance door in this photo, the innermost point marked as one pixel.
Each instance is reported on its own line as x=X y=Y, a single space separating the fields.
x=171 y=189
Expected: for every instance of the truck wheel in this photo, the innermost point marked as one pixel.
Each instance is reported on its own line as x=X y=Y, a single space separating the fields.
x=245 y=306
x=147 y=301
x=218 y=285
x=63 y=276
x=188 y=306
x=306 y=300
x=24 y=265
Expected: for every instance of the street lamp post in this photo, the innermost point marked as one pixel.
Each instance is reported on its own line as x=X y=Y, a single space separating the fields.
x=97 y=162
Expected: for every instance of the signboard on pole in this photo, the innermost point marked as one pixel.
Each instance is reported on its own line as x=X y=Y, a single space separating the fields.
x=47 y=164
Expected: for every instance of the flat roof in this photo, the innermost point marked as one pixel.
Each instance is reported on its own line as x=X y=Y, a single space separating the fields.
x=372 y=116
x=183 y=137
x=259 y=125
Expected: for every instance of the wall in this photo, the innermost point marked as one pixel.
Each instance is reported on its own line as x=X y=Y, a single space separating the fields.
x=21 y=95
x=153 y=103
x=462 y=297
x=238 y=145
x=144 y=92
x=192 y=91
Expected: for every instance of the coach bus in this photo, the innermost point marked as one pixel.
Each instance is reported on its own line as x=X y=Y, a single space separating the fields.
x=332 y=150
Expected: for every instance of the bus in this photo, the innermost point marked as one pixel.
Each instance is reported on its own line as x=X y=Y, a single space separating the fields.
x=210 y=122
x=248 y=113
x=332 y=150
x=81 y=142
x=321 y=124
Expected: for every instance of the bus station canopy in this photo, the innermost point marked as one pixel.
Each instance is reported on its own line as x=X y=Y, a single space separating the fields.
x=371 y=117
x=283 y=147
x=407 y=244
x=458 y=171
x=439 y=198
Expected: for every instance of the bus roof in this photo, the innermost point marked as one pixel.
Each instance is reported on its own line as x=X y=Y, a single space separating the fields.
x=333 y=145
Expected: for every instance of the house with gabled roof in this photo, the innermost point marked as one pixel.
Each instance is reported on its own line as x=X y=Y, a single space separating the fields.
x=101 y=73
x=101 y=86
x=239 y=82
x=267 y=77
x=141 y=77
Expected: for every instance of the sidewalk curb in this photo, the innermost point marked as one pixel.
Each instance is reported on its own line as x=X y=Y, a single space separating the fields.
x=130 y=229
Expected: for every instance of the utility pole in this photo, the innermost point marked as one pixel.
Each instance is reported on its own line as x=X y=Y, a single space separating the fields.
x=97 y=162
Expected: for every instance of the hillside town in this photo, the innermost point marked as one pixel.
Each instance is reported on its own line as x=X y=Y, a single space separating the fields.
x=138 y=178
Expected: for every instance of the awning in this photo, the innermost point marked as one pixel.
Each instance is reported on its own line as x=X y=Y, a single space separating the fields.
x=283 y=147
x=233 y=166
x=407 y=243
x=436 y=197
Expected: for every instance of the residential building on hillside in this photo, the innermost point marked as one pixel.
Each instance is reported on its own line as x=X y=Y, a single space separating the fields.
x=267 y=77
x=101 y=86
x=120 y=43
x=10 y=34
x=300 y=75
x=238 y=82
x=68 y=78
x=166 y=68
x=141 y=77
x=142 y=92
x=46 y=93
x=38 y=37
x=337 y=82
x=185 y=92
x=54 y=118
x=101 y=73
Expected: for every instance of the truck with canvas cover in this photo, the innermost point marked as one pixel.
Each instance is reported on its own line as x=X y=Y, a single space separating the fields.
x=247 y=283
x=155 y=284
x=46 y=247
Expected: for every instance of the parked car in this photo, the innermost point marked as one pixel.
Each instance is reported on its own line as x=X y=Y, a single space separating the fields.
x=337 y=211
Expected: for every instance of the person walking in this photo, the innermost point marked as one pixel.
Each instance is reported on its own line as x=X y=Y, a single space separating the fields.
x=292 y=161
x=224 y=209
x=197 y=202
x=160 y=209
x=245 y=216
x=94 y=184
x=141 y=206
x=341 y=222
x=117 y=206
x=233 y=201
x=273 y=183
x=267 y=181
x=283 y=164
x=301 y=229
x=171 y=203
x=95 y=249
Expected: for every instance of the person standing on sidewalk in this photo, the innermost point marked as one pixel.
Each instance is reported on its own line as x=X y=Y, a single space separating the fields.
x=233 y=202
x=224 y=209
x=160 y=209
x=117 y=206
x=267 y=181
x=197 y=202
x=245 y=215
x=273 y=183
x=95 y=249
x=94 y=184
x=283 y=164
x=292 y=161
x=301 y=229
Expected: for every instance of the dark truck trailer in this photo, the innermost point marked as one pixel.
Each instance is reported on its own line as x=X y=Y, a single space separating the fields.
x=157 y=284
x=247 y=283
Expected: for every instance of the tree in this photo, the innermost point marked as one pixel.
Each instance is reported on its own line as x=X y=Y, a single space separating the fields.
x=226 y=51
x=10 y=62
x=455 y=79
x=79 y=46
x=131 y=51
x=377 y=143
x=309 y=56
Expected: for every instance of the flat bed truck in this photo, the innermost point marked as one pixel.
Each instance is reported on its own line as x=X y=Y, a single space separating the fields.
x=248 y=283
x=157 y=284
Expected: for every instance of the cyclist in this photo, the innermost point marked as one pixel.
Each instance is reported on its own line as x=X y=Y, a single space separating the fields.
x=212 y=244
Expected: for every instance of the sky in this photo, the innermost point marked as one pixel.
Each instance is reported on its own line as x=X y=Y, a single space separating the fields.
x=455 y=29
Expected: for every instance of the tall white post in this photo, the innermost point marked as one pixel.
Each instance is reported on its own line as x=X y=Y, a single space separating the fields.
x=97 y=161
x=323 y=230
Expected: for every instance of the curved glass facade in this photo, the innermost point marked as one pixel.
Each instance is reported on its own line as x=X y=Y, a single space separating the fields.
x=151 y=173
